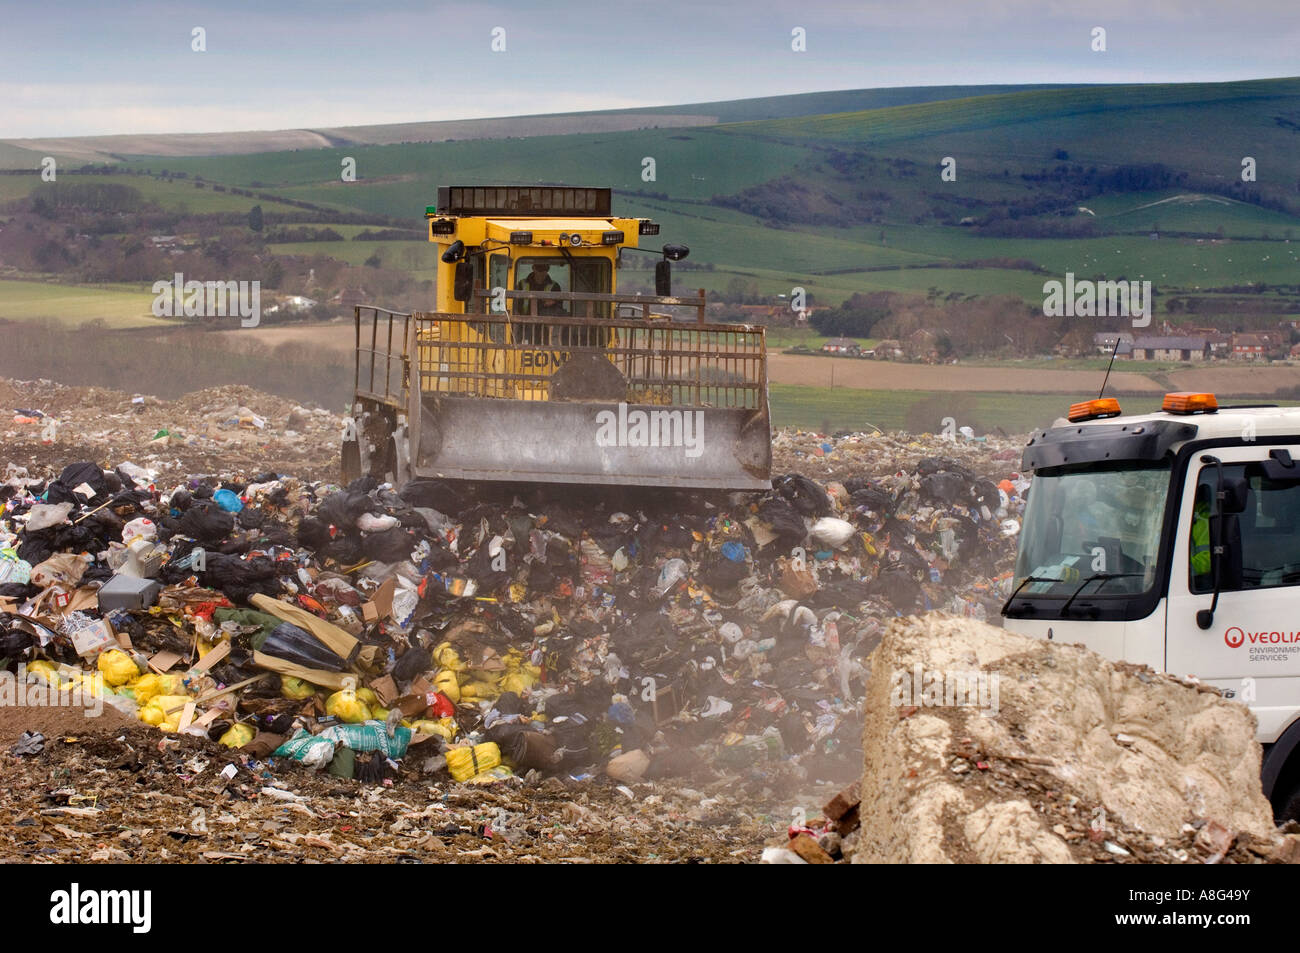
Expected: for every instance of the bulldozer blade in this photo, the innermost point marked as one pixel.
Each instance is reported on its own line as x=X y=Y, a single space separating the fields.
x=592 y=442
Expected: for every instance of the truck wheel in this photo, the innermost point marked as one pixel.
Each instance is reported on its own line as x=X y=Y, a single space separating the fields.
x=1286 y=797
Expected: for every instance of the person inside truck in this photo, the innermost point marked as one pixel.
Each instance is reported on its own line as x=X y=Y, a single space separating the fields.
x=539 y=279
x=1200 y=545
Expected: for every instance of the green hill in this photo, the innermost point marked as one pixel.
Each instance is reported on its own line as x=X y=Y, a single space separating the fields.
x=841 y=191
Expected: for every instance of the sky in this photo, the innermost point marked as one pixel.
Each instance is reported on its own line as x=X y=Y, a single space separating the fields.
x=95 y=68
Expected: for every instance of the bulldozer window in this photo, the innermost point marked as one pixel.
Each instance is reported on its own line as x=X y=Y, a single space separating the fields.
x=479 y=267
x=585 y=275
x=498 y=274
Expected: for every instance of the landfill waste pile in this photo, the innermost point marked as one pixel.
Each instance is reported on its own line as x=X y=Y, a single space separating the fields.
x=986 y=746
x=678 y=665
x=221 y=429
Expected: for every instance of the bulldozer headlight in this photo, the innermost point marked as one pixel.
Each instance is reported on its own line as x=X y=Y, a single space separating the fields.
x=611 y=238
x=442 y=226
x=647 y=228
x=521 y=238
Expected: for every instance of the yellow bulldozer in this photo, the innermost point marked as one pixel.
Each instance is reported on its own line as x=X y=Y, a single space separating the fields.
x=534 y=369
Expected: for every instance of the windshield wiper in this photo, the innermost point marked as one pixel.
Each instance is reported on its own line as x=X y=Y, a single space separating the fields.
x=1027 y=580
x=1105 y=577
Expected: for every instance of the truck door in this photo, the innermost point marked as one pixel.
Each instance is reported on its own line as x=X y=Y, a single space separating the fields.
x=1252 y=647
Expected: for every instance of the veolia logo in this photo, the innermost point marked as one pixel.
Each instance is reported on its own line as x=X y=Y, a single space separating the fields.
x=1234 y=637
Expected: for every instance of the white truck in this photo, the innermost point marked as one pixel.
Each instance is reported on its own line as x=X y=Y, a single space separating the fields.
x=1172 y=539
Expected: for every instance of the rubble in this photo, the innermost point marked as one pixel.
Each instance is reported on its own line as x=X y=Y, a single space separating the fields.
x=1069 y=758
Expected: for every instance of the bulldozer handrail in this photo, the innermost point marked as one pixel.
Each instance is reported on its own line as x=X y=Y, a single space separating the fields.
x=393 y=392
x=680 y=363
x=645 y=301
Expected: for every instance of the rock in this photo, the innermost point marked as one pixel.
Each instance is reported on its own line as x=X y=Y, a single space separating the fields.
x=629 y=767
x=810 y=850
x=1046 y=717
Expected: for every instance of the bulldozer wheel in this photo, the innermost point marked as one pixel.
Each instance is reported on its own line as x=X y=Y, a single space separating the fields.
x=350 y=468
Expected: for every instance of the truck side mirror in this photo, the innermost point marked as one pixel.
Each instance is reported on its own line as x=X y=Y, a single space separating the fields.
x=1234 y=495
x=663 y=278
x=462 y=286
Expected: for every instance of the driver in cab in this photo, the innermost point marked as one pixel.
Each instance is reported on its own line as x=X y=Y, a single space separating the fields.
x=539 y=279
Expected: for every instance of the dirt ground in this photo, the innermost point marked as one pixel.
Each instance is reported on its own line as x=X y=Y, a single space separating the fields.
x=111 y=790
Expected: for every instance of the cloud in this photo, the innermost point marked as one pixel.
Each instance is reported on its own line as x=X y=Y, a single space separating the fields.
x=295 y=64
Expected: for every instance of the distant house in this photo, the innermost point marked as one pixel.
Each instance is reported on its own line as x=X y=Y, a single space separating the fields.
x=1174 y=348
x=888 y=350
x=1220 y=344
x=351 y=297
x=1253 y=346
x=292 y=304
x=1104 y=341
x=841 y=346
x=922 y=345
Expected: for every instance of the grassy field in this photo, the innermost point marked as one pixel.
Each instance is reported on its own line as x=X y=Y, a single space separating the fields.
x=1005 y=141
x=170 y=194
x=831 y=409
x=117 y=306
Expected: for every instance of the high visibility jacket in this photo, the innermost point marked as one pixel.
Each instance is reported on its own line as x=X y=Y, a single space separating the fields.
x=1201 y=540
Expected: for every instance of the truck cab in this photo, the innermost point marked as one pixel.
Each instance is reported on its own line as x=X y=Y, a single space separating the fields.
x=1173 y=540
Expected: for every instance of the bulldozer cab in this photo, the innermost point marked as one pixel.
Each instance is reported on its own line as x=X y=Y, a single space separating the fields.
x=534 y=367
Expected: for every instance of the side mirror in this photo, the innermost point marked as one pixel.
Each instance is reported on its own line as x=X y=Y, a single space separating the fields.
x=453 y=252
x=676 y=252
x=1234 y=495
x=663 y=278
x=462 y=288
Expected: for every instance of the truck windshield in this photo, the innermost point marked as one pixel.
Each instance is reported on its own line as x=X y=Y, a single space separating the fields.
x=1093 y=529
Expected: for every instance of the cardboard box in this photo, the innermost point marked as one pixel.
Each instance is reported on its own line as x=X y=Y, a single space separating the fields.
x=93 y=638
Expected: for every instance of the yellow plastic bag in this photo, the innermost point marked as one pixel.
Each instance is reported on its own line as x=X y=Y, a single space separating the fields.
x=117 y=667
x=447 y=683
x=479 y=691
x=519 y=682
x=295 y=689
x=87 y=684
x=465 y=763
x=150 y=686
x=158 y=714
x=45 y=670
x=446 y=656
x=237 y=736
x=444 y=728
x=347 y=707
x=499 y=773
x=368 y=698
